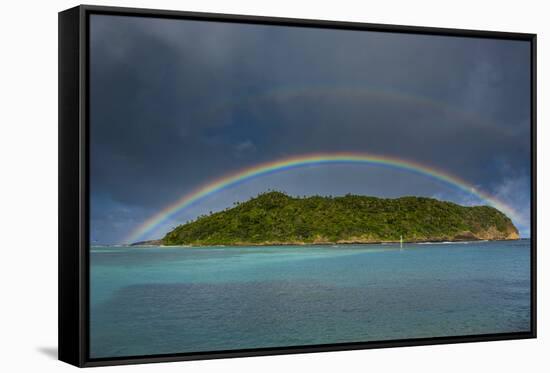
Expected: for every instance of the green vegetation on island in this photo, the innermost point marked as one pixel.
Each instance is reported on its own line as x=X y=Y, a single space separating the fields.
x=274 y=218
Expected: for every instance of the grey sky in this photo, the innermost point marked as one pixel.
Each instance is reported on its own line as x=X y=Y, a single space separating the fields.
x=176 y=104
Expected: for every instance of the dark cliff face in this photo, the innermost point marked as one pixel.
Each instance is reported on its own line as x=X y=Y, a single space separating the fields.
x=275 y=218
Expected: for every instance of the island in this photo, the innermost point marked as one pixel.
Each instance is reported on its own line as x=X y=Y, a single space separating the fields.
x=275 y=218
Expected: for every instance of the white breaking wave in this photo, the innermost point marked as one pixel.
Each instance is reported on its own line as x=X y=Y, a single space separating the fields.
x=451 y=242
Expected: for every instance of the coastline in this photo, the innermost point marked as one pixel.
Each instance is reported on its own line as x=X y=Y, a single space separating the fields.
x=300 y=243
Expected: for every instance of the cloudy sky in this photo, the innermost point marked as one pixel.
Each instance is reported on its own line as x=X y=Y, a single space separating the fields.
x=176 y=104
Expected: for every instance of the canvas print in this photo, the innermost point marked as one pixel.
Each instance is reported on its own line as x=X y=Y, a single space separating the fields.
x=262 y=186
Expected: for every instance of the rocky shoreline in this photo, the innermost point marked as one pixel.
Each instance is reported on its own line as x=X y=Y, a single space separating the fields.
x=155 y=243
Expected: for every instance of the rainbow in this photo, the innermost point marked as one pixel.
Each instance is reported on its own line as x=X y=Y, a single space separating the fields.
x=294 y=162
x=282 y=94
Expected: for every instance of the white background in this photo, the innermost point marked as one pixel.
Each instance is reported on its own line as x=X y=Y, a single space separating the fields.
x=28 y=174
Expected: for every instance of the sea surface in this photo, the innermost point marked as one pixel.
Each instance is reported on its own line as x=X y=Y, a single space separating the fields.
x=159 y=300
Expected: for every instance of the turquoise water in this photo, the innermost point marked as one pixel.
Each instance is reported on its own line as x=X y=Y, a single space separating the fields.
x=162 y=300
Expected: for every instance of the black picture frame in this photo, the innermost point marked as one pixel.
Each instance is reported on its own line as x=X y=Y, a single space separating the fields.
x=74 y=184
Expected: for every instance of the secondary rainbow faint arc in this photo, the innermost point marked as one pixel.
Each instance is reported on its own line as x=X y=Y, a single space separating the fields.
x=285 y=164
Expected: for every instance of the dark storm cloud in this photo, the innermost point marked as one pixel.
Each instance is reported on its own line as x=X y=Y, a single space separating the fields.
x=175 y=104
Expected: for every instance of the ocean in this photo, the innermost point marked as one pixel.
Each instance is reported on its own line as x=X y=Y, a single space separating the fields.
x=161 y=300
